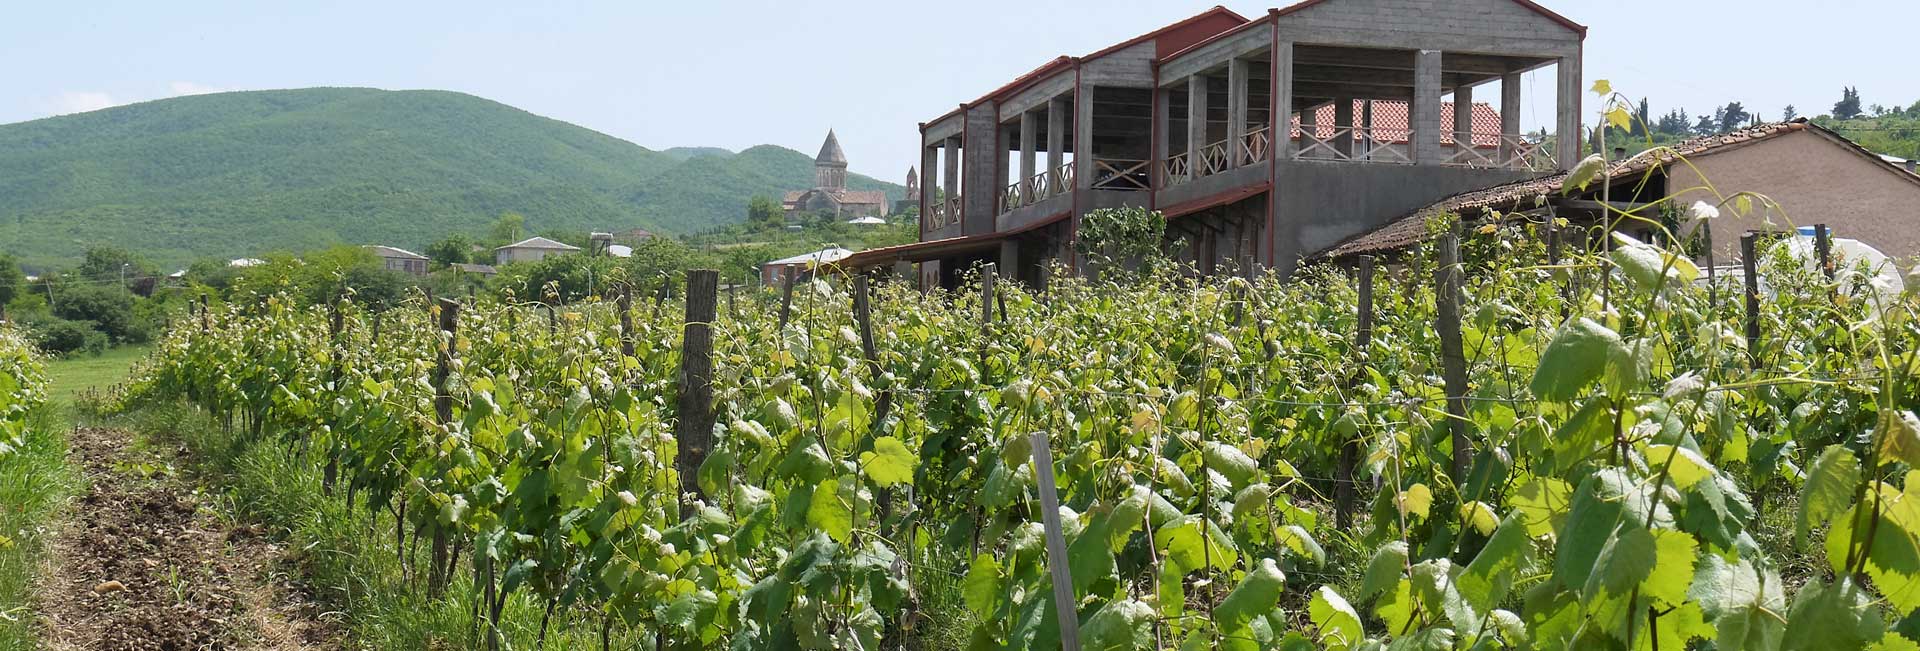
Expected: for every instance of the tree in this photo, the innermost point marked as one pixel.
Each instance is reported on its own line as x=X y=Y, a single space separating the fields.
x=452 y=249
x=11 y=280
x=510 y=227
x=762 y=209
x=109 y=263
x=109 y=308
x=1707 y=126
x=1789 y=114
x=1643 y=119
x=1733 y=116
x=1849 y=105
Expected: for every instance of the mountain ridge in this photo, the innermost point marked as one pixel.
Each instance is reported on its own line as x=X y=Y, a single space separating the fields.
x=239 y=173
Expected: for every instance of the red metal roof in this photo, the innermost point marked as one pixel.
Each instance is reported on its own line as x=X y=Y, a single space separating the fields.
x=1536 y=8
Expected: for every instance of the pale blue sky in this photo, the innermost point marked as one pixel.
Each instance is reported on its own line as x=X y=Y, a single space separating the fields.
x=736 y=74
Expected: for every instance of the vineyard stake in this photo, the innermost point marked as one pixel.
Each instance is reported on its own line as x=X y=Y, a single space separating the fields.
x=1453 y=360
x=440 y=570
x=335 y=323
x=1343 y=489
x=786 y=296
x=626 y=321
x=553 y=318
x=1553 y=260
x=693 y=426
x=987 y=273
x=1747 y=242
x=203 y=311
x=1823 y=247
x=1063 y=601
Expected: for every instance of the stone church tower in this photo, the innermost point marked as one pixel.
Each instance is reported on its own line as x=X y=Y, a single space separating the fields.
x=830 y=167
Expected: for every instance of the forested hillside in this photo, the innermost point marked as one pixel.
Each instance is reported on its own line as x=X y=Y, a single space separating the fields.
x=234 y=174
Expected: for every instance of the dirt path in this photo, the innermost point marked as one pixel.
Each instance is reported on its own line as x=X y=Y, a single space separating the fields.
x=139 y=564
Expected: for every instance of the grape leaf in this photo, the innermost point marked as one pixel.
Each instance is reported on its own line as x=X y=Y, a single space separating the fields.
x=889 y=463
x=1828 y=490
x=830 y=511
x=1257 y=594
x=1339 y=624
x=1575 y=358
x=1123 y=625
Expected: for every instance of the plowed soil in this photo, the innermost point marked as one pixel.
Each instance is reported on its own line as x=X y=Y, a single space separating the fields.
x=142 y=563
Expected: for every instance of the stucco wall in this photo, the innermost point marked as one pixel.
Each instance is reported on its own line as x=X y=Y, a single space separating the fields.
x=1815 y=180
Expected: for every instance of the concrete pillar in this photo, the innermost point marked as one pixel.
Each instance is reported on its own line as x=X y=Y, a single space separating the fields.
x=1056 y=140
x=950 y=171
x=1162 y=135
x=1310 y=127
x=1028 y=135
x=1509 y=113
x=1196 y=123
x=1462 y=116
x=1567 y=131
x=1365 y=132
x=1282 y=102
x=1425 y=110
x=1343 y=119
x=1010 y=258
x=1236 y=110
x=930 y=185
x=1083 y=137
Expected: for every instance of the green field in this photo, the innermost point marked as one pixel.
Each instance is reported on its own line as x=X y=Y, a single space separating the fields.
x=75 y=374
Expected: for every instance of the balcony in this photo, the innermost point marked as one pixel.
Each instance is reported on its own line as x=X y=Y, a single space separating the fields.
x=941 y=214
x=1037 y=188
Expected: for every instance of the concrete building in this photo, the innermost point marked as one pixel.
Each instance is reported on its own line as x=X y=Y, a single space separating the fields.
x=801 y=266
x=1182 y=120
x=532 y=249
x=1813 y=176
x=830 y=194
x=401 y=260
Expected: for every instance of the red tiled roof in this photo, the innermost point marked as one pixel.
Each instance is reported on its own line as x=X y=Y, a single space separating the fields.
x=1390 y=122
x=1410 y=229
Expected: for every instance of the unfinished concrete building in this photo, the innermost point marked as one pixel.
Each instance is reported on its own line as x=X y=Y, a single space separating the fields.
x=1376 y=98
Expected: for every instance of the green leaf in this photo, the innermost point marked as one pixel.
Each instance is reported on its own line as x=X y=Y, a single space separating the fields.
x=1433 y=582
x=1480 y=516
x=1230 y=462
x=1675 y=552
x=1828 y=491
x=1416 y=500
x=1124 y=625
x=981 y=587
x=1898 y=434
x=1607 y=500
x=1574 y=360
x=1490 y=575
x=1687 y=468
x=1832 y=617
x=1302 y=544
x=1542 y=503
x=1742 y=602
x=1339 y=624
x=1257 y=594
x=831 y=511
x=1623 y=563
x=1187 y=548
x=889 y=463
x=1389 y=564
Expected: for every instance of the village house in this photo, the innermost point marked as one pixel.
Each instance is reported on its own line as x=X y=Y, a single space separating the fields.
x=481 y=270
x=1811 y=174
x=401 y=260
x=800 y=267
x=830 y=194
x=1183 y=119
x=532 y=249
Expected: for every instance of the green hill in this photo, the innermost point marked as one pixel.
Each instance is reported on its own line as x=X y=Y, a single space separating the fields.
x=234 y=174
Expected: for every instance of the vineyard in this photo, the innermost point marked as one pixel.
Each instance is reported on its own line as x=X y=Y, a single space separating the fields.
x=1522 y=450
x=22 y=388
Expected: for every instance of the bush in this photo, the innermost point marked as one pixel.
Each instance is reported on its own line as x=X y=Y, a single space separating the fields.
x=64 y=337
x=109 y=308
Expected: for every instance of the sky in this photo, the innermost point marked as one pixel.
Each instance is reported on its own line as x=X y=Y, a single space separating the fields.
x=738 y=74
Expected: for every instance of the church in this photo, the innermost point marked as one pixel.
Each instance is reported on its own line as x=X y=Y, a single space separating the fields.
x=830 y=194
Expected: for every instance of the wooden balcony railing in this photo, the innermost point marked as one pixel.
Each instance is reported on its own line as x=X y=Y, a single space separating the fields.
x=1363 y=144
x=941 y=214
x=1173 y=170
x=1122 y=174
x=1037 y=188
x=1213 y=159
x=1256 y=146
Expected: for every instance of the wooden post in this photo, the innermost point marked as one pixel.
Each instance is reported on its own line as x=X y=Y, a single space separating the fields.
x=1446 y=284
x=440 y=570
x=553 y=318
x=1062 y=574
x=987 y=273
x=693 y=426
x=336 y=322
x=1823 y=247
x=786 y=296
x=1553 y=260
x=374 y=340
x=626 y=321
x=1343 y=488
x=203 y=311
x=1747 y=263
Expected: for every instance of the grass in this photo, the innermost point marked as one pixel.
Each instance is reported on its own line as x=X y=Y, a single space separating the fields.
x=34 y=481
x=349 y=555
x=74 y=374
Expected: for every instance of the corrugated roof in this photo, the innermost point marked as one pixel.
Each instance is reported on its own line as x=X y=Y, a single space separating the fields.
x=539 y=243
x=1410 y=229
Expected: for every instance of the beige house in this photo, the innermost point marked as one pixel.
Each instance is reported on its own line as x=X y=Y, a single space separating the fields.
x=532 y=249
x=1811 y=174
x=401 y=260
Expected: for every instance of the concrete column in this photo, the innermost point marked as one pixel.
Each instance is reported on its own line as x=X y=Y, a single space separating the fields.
x=1425 y=109
x=1567 y=133
x=1162 y=135
x=1056 y=138
x=1282 y=102
x=1010 y=258
x=1236 y=110
x=1365 y=133
x=1310 y=126
x=950 y=171
x=1028 y=135
x=1509 y=113
x=1462 y=116
x=930 y=183
x=1196 y=123
x=1342 y=119
x=1083 y=137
